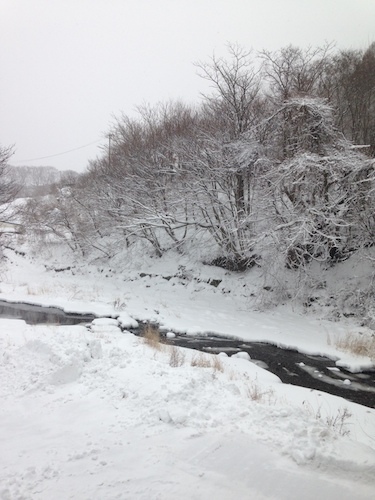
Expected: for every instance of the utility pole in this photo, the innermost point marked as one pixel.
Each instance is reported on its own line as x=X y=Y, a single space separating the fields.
x=110 y=136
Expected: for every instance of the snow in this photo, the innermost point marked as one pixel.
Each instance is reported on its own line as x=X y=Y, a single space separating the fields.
x=91 y=412
x=180 y=305
x=126 y=321
x=241 y=355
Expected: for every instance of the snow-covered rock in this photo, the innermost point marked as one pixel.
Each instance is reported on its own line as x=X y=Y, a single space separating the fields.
x=242 y=355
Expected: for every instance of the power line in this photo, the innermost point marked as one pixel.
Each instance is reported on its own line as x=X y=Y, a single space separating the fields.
x=58 y=154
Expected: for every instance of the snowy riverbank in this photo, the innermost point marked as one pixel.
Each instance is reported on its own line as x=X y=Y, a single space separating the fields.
x=97 y=414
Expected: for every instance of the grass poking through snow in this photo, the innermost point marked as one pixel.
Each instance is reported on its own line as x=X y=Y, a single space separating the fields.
x=151 y=337
x=360 y=344
x=176 y=357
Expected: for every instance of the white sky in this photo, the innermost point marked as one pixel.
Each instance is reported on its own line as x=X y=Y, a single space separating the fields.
x=69 y=66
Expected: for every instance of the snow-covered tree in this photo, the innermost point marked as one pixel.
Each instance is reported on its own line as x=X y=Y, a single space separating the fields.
x=8 y=187
x=318 y=185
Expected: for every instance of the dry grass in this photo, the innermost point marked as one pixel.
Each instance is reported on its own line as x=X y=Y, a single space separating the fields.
x=337 y=422
x=151 y=337
x=202 y=360
x=119 y=304
x=360 y=344
x=39 y=290
x=176 y=357
x=253 y=391
x=78 y=293
x=256 y=393
x=217 y=364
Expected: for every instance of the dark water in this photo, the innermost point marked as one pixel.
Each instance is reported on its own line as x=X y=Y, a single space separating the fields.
x=34 y=315
x=292 y=367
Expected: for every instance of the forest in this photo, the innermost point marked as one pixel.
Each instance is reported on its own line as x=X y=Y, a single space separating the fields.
x=274 y=168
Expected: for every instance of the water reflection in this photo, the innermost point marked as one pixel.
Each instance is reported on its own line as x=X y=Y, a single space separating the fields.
x=34 y=314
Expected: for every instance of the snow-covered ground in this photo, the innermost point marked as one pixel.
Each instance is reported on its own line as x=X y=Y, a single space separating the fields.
x=94 y=413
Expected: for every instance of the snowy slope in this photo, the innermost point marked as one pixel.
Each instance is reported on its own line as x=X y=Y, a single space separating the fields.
x=184 y=302
x=93 y=413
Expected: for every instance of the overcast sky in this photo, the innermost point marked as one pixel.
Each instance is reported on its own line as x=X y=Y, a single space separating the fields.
x=68 y=66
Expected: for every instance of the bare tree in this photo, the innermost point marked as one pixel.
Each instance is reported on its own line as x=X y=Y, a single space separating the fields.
x=349 y=84
x=293 y=72
x=8 y=187
x=141 y=190
x=212 y=186
x=236 y=86
x=228 y=158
